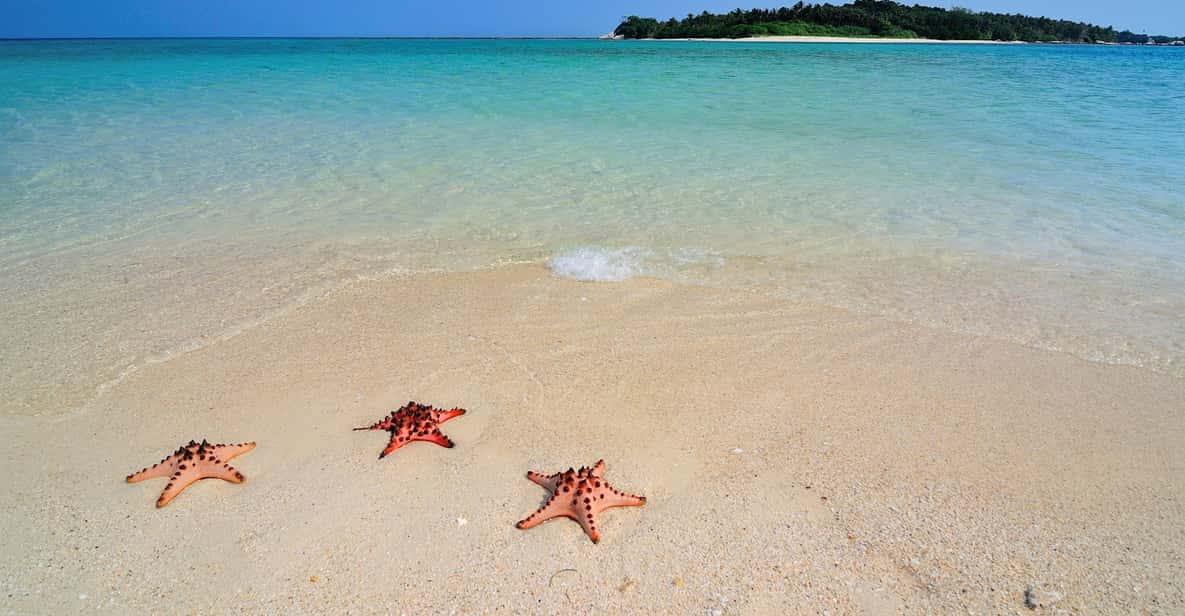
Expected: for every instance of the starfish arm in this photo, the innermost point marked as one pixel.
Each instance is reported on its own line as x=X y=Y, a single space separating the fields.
x=396 y=443
x=443 y=416
x=621 y=499
x=225 y=471
x=436 y=436
x=164 y=468
x=553 y=508
x=178 y=481
x=589 y=524
x=599 y=468
x=226 y=452
x=547 y=481
x=380 y=425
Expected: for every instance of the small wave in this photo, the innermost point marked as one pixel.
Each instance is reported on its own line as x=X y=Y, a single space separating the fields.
x=594 y=263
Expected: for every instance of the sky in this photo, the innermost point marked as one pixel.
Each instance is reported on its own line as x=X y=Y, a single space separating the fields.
x=135 y=18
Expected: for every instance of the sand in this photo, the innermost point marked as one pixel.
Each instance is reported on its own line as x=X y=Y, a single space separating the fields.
x=796 y=458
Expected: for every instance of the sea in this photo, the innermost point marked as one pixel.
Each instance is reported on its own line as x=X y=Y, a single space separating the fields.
x=159 y=195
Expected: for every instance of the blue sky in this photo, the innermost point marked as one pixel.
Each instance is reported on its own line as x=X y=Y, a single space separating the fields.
x=40 y=18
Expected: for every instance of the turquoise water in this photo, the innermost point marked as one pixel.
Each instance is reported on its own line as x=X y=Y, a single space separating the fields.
x=153 y=193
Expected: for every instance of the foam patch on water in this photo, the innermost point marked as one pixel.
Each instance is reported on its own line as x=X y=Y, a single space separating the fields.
x=595 y=263
x=605 y=264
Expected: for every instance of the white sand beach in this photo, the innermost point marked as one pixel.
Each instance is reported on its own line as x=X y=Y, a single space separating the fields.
x=795 y=458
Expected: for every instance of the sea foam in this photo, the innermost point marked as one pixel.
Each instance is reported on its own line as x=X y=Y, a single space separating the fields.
x=596 y=263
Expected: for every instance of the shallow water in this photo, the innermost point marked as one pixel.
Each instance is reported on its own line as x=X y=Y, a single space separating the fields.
x=155 y=195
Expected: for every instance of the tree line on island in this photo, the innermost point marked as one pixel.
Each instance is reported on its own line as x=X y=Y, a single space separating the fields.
x=877 y=18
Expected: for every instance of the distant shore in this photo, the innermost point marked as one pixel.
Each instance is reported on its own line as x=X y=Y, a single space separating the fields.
x=857 y=39
x=832 y=39
x=876 y=39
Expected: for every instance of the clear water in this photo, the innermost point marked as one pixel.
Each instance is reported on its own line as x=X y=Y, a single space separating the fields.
x=158 y=194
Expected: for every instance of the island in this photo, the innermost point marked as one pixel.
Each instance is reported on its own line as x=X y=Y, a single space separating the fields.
x=880 y=19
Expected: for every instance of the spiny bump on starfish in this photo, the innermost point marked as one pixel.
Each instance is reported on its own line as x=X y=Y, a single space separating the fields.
x=415 y=422
x=192 y=462
x=580 y=495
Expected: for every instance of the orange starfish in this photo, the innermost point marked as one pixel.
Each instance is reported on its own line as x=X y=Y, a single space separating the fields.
x=193 y=462
x=415 y=422
x=579 y=495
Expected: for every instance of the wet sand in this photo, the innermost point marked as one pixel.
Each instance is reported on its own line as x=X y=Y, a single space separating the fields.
x=796 y=459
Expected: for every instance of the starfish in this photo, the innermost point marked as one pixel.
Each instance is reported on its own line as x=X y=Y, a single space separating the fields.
x=579 y=495
x=193 y=462
x=415 y=422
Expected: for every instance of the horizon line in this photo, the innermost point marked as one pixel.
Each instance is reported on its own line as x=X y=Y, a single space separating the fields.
x=592 y=37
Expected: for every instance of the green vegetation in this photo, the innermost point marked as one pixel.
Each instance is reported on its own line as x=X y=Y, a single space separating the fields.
x=880 y=18
x=1128 y=36
x=803 y=28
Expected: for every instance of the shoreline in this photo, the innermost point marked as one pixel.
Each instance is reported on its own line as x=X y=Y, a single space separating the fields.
x=53 y=398
x=795 y=457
